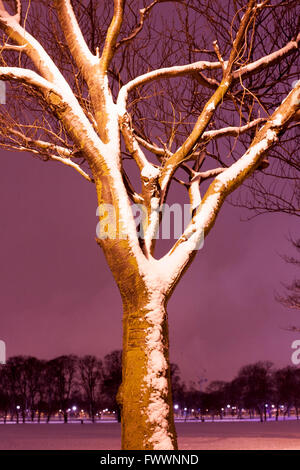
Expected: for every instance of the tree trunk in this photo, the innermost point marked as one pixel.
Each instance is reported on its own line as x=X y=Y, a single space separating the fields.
x=144 y=397
x=145 y=393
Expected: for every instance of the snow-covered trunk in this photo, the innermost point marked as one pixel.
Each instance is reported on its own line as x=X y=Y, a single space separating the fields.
x=145 y=395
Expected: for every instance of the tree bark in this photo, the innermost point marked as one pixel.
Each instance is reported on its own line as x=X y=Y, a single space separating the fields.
x=145 y=394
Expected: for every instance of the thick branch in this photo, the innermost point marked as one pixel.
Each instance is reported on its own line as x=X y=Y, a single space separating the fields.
x=184 y=249
x=92 y=68
x=112 y=34
x=65 y=107
x=27 y=76
x=32 y=47
x=232 y=130
x=159 y=152
x=82 y=55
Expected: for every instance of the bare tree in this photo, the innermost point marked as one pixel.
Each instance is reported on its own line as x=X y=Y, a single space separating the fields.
x=256 y=386
x=64 y=374
x=196 y=94
x=6 y=393
x=112 y=378
x=90 y=369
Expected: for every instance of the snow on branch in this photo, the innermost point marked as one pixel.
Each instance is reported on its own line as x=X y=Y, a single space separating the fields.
x=204 y=175
x=69 y=162
x=45 y=65
x=41 y=144
x=267 y=61
x=13 y=47
x=65 y=106
x=166 y=72
x=92 y=67
x=31 y=46
x=19 y=10
x=4 y=13
x=27 y=76
x=232 y=130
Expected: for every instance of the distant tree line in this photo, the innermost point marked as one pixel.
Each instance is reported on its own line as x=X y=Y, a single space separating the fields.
x=258 y=390
x=31 y=388
x=34 y=387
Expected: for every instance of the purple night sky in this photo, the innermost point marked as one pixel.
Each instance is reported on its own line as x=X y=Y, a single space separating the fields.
x=58 y=296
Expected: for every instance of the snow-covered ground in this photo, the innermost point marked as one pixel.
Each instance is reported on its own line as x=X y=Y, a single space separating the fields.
x=192 y=435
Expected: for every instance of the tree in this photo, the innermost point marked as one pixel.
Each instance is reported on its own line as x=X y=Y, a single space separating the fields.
x=112 y=378
x=206 y=88
x=91 y=375
x=48 y=396
x=63 y=370
x=286 y=383
x=216 y=397
x=256 y=385
x=178 y=387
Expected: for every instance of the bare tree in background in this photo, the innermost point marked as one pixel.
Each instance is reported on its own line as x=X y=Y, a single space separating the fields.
x=193 y=93
x=65 y=382
x=90 y=369
x=112 y=378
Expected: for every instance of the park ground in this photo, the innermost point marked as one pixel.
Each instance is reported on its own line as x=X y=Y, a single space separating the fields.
x=283 y=435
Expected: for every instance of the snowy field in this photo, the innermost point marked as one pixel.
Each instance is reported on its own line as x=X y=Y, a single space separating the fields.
x=195 y=436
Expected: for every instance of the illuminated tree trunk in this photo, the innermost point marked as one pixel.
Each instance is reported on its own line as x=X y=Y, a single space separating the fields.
x=145 y=394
